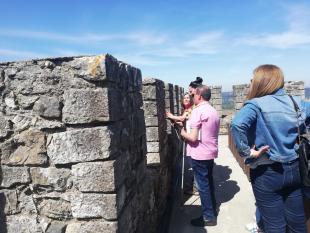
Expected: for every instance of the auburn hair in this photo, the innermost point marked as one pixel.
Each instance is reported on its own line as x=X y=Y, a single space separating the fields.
x=191 y=101
x=266 y=80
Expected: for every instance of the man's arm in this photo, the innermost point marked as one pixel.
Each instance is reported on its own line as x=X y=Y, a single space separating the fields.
x=192 y=136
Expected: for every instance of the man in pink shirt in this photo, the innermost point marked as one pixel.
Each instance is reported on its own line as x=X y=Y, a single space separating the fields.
x=202 y=146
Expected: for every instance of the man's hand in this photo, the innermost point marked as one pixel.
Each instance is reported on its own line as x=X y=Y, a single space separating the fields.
x=256 y=153
x=192 y=136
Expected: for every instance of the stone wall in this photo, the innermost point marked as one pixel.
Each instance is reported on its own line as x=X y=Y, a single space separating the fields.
x=240 y=92
x=216 y=98
x=163 y=145
x=75 y=153
x=239 y=95
x=295 y=88
x=216 y=102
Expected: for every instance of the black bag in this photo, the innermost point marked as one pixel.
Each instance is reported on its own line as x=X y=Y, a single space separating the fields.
x=304 y=160
x=304 y=150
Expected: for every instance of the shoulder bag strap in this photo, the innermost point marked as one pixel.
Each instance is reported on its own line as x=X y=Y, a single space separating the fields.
x=297 y=110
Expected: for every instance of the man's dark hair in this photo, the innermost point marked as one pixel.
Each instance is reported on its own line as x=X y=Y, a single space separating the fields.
x=196 y=83
x=204 y=91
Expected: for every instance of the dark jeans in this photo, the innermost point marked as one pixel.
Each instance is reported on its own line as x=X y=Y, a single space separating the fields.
x=203 y=176
x=259 y=220
x=277 y=191
x=188 y=175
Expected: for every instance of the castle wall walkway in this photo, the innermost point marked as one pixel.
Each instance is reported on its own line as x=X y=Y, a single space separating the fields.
x=234 y=197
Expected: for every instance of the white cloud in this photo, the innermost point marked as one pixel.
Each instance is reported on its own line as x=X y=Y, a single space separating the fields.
x=199 y=44
x=146 y=38
x=297 y=33
x=20 y=54
x=285 y=40
x=141 y=38
x=206 y=43
x=68 y=53
x=140 y=59
x=298 y=18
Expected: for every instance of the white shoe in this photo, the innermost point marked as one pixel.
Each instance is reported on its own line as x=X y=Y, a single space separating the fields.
x=253 y=228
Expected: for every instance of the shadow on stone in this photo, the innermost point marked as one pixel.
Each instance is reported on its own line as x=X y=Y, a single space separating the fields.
x=3 y=227
x=225 y=189
x=191 y=212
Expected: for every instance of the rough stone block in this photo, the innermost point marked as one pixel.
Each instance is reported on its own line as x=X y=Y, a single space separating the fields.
x=43 y=124
x=94 y=176
x=150 y=108
x=149 y=81
x=25 y=101
x=152 y=159
x=57 y=179
x=55 y=208
x=56 y=227
x=149 y=92
x=106 y=67
x=14 y=175
x=82 y=145
x=21 y=224
x=48 y=107
x=2 y=85
x=151 y=121
x=5 y=126
x=9 y=202
x=11 y=72
x=91 y=105
x=32 y=80
x=10 y=101
x=96 y=68
x=26 y=202
x=90 y=205
x=21 y=123
x=92 y=226
x=27 y=148
x=152 y=134
x=152 y=147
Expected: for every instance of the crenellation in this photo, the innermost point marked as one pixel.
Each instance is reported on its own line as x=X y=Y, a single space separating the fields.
x=85 y=145
x=72 y=144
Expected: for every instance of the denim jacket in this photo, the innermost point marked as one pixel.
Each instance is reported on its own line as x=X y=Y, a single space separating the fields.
x=269 y=120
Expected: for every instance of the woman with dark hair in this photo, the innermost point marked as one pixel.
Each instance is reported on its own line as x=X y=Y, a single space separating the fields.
x=265 y=132
x=194 y=84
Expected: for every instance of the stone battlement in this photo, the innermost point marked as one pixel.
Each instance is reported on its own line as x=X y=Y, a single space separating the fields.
x=76 y=155
x=85 y=145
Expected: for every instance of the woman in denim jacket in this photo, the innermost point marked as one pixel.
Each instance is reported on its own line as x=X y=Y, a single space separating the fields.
x=265 y=132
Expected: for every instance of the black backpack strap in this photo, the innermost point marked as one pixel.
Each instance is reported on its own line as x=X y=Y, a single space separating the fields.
x=297 y=110
x=295 y=104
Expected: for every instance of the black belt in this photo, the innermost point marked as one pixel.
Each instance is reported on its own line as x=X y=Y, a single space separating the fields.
x=291 y=162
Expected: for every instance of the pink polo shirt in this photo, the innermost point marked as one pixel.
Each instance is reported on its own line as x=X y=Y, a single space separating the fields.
x=205 y=118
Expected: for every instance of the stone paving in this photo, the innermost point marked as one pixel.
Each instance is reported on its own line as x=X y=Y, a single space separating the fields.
x=234 y=197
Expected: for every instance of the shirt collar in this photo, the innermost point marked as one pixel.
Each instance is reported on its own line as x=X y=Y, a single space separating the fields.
x=280 y=91
x=202 y=103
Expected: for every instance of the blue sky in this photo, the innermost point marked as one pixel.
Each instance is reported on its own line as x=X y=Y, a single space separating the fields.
x=220 y=40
